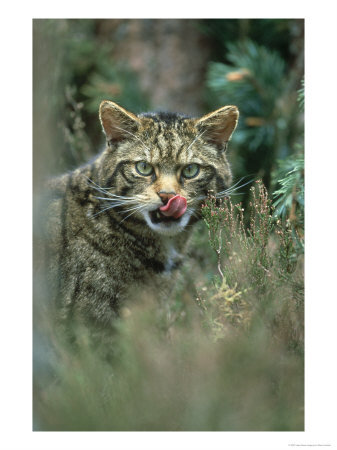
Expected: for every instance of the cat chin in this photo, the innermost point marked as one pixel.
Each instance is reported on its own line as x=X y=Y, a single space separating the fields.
x=168 y=228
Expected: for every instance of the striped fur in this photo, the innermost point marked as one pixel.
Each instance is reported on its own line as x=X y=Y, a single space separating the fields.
x=105 y=239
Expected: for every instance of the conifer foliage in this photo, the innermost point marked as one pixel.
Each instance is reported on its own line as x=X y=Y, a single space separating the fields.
x=257 y=80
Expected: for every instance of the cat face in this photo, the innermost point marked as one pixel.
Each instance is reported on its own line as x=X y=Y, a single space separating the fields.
x=160 y=167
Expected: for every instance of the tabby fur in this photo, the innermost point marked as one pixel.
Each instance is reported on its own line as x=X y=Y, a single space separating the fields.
x=104 y=242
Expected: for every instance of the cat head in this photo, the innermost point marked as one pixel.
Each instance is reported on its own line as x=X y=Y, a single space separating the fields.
x=161 y=166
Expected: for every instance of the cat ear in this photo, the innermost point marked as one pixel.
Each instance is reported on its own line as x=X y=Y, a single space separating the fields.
x=117 y=122
x=218 y=126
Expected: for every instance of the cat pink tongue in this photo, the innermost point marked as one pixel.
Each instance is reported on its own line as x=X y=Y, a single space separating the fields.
x=175 y=207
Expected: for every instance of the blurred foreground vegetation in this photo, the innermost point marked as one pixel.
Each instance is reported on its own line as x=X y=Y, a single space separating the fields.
x=226 y=351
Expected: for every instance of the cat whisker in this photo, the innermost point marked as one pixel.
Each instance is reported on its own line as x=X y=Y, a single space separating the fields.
x=126 y=199
x=117 y=201
x=114 y=206
x=131 y=134
x=133 y=212
x=227 y=192
x=95 y=184
x=134 y=208
x=201 y=197
x=194 y=140
x=105 y=191
x=193 y=213
x=104 y=209
x=117 y=204
x=100 y=212
x=114 y=196
x=231 y=190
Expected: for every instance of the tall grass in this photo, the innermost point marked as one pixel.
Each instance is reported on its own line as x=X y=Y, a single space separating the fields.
x=225 y=352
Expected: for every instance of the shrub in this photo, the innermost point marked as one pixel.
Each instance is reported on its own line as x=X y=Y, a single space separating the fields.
x=257 y=269
x=225 y=354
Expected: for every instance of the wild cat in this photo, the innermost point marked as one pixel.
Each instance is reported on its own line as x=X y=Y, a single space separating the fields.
x=120 y=224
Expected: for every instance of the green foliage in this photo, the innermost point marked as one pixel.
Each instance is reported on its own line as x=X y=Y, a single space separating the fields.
x=80 y=75
x=300 y=97
x=288 y=182
x=290 y=196
x=87 y=63
x=223 y=354
x=256 y=265
x=275 y=34
x=115 y=83
x=188 y=382
x=75 y=136
x=255 y=79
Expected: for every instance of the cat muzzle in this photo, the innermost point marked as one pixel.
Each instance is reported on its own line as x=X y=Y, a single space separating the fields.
x=175 y=207
x=171 y=212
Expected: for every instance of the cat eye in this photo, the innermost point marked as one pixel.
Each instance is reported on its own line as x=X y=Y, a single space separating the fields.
x=143 y=168
x=191 y=170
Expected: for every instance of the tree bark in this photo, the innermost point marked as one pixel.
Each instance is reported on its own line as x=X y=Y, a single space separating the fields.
x=169 y=55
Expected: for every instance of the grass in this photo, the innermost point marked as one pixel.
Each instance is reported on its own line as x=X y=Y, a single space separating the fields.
x=224 y=353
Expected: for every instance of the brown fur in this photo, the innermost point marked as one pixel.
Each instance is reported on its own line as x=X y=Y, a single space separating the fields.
x=101 y=251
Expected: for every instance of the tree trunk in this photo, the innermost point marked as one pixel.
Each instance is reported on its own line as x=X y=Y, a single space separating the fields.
x=169 y=56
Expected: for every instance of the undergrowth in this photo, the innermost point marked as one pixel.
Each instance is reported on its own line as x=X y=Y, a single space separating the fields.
x=224 y=353
x=259 y=269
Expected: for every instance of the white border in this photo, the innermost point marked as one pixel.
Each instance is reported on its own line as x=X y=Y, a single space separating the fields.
x=321 y=165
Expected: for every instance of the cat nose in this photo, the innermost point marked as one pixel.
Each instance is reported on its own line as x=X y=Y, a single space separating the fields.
x=165 y=196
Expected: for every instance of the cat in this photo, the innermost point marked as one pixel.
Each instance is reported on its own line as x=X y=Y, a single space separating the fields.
x=119 y=225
